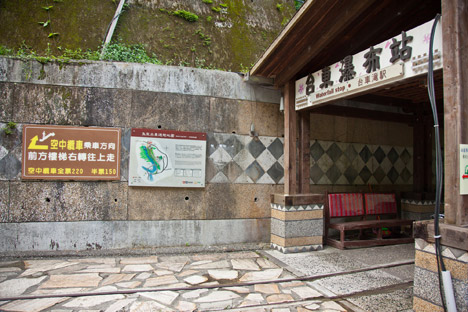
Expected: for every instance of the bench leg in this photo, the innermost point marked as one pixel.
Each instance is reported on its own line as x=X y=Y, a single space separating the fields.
x=379 y=232
x=342 y=238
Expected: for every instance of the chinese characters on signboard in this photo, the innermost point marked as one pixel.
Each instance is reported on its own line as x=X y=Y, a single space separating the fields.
x=70 y=153
x=398 y=58
x=167 y=158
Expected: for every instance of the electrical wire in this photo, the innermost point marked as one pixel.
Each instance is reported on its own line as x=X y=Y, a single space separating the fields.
x=439 y=168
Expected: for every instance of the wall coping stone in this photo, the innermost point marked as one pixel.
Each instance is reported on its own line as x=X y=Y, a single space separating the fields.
x=136 y=76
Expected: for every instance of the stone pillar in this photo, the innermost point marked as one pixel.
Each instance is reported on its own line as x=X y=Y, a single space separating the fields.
x=426 y=294
x=297 y=222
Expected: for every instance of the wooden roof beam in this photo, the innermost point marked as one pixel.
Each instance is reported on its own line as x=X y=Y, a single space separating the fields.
x=329 y=32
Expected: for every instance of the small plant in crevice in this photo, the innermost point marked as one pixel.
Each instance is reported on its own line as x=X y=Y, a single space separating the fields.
x=207 y=1
x=9 y=127
x=206 y=39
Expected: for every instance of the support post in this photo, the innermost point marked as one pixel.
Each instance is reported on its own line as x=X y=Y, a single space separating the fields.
x=290 y=136
x=113 y=24
x=455 y=63
x=304 y=152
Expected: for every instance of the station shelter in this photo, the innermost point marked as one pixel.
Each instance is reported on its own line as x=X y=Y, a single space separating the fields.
x=364 y=67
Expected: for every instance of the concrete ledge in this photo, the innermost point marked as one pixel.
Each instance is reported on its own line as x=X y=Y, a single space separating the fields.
x=452 y=235
x=134 y=76
x=94 y=235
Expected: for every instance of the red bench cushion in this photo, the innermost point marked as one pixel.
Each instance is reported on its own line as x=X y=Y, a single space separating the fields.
x=380 y=204
x=345 y=204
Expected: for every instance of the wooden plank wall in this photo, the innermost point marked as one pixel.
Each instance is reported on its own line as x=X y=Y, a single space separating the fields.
x=455 y=63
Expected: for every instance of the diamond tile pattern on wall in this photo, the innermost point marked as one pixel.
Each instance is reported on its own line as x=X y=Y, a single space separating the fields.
x=236 y=158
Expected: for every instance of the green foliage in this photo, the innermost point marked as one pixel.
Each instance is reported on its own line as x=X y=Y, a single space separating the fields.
x=44 y=24
x=47 y=8
x=51 y=35
x=8 y=129
x=135 y=53
x=298 y=4
x=207 y=1
x=216 y=9
x=188 y=16
x=206 y=39
x=209 y=18
x=279 y=7
x=80 y=55
x=5 y=51
x=245 y=69
x=223 y=5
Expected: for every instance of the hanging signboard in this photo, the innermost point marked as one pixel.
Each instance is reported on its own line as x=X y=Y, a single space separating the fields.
x=463 y=169
x=70 y=153
x=167 y=158
x=398 y=58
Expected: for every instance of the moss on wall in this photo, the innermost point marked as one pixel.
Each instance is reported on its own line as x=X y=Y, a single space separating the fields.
x=231 y=37
x=78 y=24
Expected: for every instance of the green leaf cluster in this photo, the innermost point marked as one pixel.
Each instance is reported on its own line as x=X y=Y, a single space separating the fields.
x=10 y=126
x=298 y=4
x=188 y=16
x=135 y=53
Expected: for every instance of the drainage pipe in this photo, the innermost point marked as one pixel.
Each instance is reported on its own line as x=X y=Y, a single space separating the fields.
x=111 y=29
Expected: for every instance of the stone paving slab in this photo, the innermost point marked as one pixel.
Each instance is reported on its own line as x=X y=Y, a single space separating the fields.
x=332 y=260
x=209 y=275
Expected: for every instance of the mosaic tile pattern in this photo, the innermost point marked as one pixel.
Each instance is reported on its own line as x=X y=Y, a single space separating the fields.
x=236 y=158
x=418 y=202
x=335 y=163
x=243 y=159
x=297 y=208
x=448 y=252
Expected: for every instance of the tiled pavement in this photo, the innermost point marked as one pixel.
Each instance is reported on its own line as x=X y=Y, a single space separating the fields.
x=159 y=283
x=113 y=276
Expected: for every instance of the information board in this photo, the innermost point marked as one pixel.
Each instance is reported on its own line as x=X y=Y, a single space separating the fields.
x=463 y=169
x=165 y=158
x=70 y=153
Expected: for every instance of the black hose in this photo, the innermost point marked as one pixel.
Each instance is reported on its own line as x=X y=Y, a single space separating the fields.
x=439 y=165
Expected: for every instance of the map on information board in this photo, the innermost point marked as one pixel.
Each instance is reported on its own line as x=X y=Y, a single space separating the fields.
x=167 y=158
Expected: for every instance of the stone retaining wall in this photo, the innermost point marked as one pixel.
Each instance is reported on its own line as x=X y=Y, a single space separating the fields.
x=242 y=170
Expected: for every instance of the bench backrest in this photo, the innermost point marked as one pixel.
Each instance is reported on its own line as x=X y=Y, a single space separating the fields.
x=345 y=205
x=380 y=203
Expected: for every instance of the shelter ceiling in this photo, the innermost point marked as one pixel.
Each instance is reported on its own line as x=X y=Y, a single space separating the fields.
x=325 y=31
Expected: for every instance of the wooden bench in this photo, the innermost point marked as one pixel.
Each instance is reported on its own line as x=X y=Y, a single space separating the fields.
x=351 y=206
